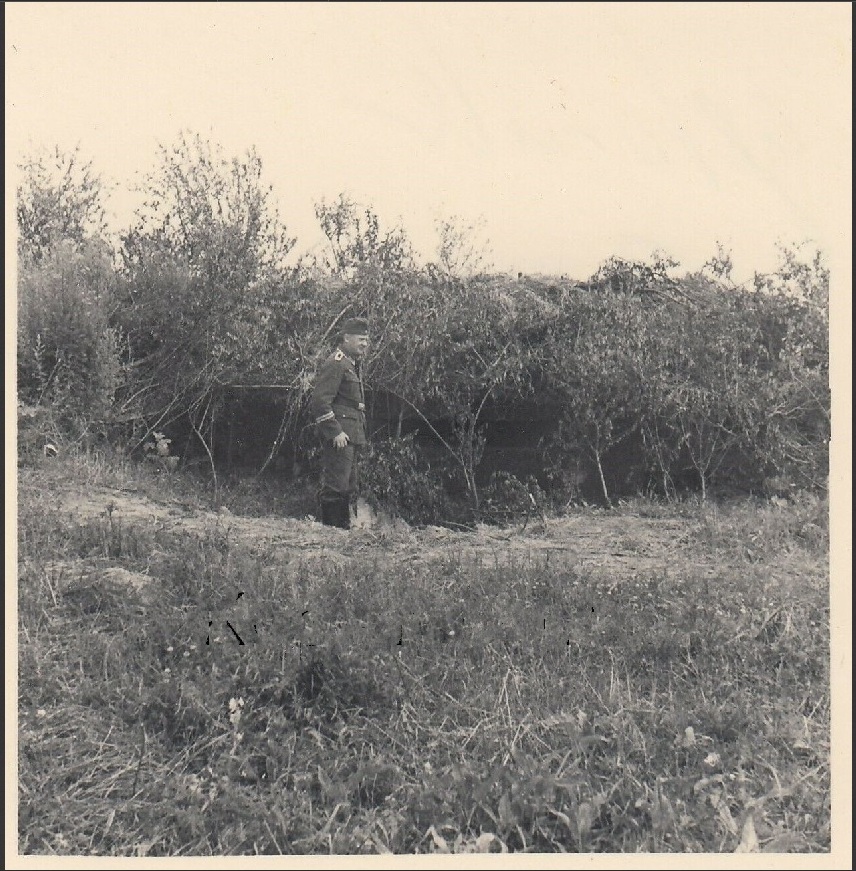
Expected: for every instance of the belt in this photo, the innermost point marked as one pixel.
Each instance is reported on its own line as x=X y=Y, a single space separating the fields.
x=359 y=406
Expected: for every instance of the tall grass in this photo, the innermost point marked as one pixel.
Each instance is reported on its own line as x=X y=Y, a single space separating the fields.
x=247 y=698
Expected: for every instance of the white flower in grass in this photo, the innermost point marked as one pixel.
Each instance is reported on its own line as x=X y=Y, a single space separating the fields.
x=235 y=708
x=712 y=760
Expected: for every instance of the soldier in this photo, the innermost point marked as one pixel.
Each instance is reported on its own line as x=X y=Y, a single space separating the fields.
x=338 y=407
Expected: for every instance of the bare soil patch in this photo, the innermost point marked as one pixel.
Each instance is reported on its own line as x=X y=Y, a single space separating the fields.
x=621 y=545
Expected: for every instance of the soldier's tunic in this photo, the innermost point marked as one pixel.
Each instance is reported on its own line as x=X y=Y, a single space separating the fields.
x=338 y=405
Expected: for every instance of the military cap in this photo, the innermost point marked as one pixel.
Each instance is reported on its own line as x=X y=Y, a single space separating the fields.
x=355 y=327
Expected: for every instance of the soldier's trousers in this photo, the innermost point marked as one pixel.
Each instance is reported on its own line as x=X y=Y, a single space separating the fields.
x=340 y=469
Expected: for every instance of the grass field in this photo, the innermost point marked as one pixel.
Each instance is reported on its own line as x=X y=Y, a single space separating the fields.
x=653 y=678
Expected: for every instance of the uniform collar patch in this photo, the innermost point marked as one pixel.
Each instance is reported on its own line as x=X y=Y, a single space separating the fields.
x=341 y=355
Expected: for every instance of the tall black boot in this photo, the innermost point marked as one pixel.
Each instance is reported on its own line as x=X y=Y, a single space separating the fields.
x=329 y=509
x=342 y=513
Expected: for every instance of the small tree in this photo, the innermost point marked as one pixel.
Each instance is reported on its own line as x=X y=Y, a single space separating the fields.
x=357 y=241
x=793 y=306
x=703 y=384
x=595 y=371
x=461 y=253
x=205 y=252
x=212 y=212
x=60 y=199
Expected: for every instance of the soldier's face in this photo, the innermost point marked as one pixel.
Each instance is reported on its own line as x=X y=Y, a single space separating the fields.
x=355 y=345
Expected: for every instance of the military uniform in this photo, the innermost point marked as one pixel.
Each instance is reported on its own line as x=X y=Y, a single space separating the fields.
x=338 y=405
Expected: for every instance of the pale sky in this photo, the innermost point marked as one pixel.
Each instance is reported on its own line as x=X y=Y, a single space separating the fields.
x=574 y=131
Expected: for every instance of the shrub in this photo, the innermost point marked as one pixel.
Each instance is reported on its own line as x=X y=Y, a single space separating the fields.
x=68 y=352
x=397 y=478
x=507 y=499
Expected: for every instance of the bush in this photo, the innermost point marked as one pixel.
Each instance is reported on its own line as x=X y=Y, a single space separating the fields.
x=507 y=499
x=398 y=479
x=68 y=352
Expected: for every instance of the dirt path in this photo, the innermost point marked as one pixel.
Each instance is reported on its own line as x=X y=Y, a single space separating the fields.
x=619 y=544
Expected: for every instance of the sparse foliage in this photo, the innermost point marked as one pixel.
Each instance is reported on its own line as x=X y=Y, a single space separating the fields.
x=462 y=252
x=211 y=212
x=720 y=265
x=357 y=240
x=60 y=198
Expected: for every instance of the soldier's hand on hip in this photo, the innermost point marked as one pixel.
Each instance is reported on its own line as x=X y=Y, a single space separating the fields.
x=341 y=440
